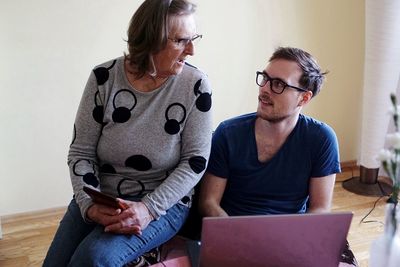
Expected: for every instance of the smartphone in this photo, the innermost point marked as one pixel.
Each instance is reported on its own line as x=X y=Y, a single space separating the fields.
x=104 y=199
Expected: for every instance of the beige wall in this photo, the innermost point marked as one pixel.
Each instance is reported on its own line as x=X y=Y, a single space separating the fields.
x=48 y=48
x=333 y=31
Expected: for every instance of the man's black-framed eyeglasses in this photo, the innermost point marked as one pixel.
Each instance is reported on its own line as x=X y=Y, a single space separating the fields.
x=277 y=85
x=183 y=42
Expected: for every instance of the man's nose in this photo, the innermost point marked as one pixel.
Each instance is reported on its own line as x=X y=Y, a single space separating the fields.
x=266 y=87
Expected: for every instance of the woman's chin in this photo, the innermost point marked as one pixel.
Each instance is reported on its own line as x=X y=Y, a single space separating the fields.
x=177 y=70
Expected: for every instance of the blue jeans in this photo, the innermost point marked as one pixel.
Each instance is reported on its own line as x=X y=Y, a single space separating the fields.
x=77 y=243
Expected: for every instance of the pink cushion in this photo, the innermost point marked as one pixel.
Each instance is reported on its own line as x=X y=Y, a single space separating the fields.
x=174 y=254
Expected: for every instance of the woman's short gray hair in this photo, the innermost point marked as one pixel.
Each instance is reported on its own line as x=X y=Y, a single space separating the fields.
x=148 y=30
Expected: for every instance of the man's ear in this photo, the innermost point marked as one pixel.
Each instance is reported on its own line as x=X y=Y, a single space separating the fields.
x=305 y=98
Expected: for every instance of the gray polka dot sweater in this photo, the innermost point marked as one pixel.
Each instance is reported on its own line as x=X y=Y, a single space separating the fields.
x=128 y=143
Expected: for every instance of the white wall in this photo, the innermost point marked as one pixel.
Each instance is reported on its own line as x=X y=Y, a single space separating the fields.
x=48 y=48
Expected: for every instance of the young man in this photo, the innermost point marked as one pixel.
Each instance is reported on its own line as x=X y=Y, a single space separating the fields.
x=276 y=160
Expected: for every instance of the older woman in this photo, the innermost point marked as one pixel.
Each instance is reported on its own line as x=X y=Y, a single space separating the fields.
x=142 y=133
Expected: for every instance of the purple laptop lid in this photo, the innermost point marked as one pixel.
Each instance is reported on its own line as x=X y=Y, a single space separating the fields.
x=298 y=240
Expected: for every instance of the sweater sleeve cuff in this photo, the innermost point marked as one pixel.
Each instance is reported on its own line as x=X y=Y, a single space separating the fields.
x=149 y=204
x=84 y=208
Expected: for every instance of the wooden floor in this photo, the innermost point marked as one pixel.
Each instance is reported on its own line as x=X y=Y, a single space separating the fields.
x=27 y=237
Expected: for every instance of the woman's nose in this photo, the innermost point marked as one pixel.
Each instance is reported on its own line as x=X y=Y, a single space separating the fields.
x=189 y=48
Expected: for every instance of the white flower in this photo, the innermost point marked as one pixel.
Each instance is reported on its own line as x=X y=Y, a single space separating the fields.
x=393 y=111
x=390 y=157
x=393 y=140
x=385 y=155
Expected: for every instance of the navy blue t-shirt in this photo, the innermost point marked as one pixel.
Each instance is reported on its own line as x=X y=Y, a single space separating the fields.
x=280 y=185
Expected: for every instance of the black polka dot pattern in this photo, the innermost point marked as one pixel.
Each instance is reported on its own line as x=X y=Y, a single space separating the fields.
x=98 y=111
x=138 y=162
x=107 y=168
x=130 y=184
x=85 y=169
x=124 y=102
x=102 y=73
x=197 y=164
x=111 y=101
x=81 y=166
x=185 y=200
x=90 y=179
x=172 y=126
x=203 y=101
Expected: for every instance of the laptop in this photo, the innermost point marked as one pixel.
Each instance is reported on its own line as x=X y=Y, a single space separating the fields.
x=290 y=240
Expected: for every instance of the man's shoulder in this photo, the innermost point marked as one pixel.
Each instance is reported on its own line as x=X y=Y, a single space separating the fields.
x=315 y=127
x=239 y=121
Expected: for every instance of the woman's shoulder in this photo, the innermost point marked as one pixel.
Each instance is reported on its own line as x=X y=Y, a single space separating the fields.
x=108 y=70
x=193 y=76
x=109 y=64
x=192 y=70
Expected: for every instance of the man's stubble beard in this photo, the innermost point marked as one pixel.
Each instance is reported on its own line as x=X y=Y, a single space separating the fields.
x=271 y=119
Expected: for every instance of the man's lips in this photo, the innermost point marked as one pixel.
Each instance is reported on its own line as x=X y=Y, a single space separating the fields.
x=265 y=100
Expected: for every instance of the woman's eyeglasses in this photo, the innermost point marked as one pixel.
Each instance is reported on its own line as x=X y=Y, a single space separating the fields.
x=183 y=42
x=277 y=85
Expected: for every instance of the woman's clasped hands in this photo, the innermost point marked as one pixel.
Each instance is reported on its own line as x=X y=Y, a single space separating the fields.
x=128 y=221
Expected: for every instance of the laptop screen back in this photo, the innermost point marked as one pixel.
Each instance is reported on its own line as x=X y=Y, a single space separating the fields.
x=298 y=240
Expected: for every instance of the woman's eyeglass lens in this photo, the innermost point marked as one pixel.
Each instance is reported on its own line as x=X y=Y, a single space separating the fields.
x=183 y=42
